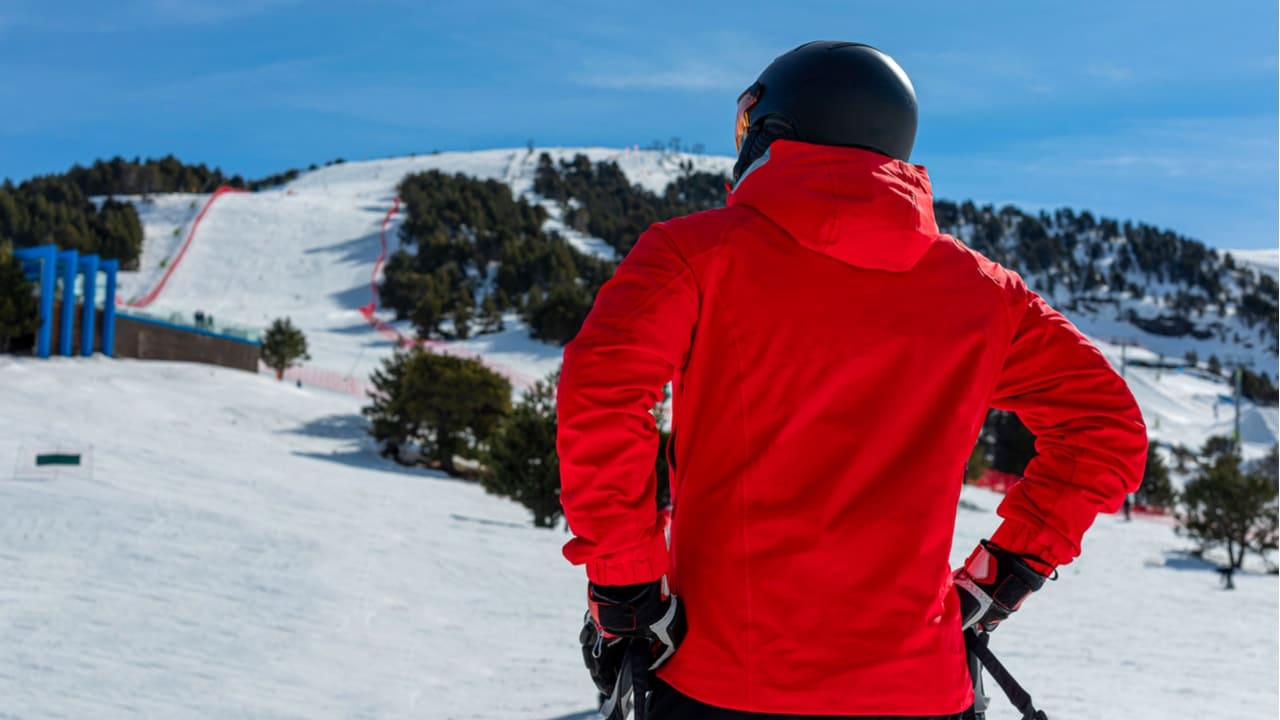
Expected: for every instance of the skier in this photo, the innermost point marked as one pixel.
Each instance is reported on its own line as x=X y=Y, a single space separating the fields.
x=833 y=358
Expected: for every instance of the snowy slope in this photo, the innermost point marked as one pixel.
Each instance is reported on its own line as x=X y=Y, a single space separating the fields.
x=1267 y=261
x=308 y=249
x=238 y=550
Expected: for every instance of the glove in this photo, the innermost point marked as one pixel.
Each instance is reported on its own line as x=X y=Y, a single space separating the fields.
x=603 y=658
x=992 y=584
x=639 y=612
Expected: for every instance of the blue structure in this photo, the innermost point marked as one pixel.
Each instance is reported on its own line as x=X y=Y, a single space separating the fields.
x=39 y=263
x=68 y=263
x=89 y=316
x=110 y=267
x=46 y=265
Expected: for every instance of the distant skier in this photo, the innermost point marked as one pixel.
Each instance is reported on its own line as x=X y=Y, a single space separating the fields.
x=833 y=359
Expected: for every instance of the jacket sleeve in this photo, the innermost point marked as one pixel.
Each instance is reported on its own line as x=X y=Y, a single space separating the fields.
x=637 y=334
x=1090 y=437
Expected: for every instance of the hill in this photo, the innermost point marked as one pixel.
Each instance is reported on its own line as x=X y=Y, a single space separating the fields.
x=309 y=249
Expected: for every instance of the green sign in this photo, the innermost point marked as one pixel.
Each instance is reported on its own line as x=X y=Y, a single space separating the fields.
x=57 y=459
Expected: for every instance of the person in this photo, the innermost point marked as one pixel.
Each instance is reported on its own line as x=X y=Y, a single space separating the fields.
x=833 y=357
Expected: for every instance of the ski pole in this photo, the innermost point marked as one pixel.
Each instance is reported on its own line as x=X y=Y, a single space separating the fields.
x=976 y=643
x=980 y=699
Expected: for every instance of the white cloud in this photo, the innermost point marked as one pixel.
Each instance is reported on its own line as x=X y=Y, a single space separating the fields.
x=721 y=61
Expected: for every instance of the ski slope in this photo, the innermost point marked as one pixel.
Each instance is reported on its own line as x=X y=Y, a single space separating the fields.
x=308 y=249
x=237 y=549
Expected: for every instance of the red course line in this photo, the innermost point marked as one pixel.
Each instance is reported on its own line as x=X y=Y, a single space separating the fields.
x=432 y=345
x=150 y=297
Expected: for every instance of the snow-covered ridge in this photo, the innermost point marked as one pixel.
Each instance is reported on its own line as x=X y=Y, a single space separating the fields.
x=1267 y=261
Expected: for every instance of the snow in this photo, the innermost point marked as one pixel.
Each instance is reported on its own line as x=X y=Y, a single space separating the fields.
x=1265 y=260
x=307 y=250
x=239 y=550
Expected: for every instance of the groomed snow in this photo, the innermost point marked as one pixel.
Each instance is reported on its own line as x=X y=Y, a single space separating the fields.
x=239 y=550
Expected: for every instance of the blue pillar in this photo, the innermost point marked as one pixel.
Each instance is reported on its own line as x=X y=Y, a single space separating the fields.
x=43 y=261
x=110 y=267
x=89 y=264
x=68 y=262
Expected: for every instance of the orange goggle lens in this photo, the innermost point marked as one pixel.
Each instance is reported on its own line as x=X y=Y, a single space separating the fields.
x=746 y=101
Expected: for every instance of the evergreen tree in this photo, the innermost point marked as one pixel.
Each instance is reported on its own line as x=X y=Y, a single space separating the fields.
x=1156 y=489
x=1215 y=365
x=978 y=463
x=490 y=315
x=560 y=316
x=283 y=345
x=446 y=405
x=19 y=310
x=1012 y=444
x=522 y=463
x=461 y=317
x=1226 y=506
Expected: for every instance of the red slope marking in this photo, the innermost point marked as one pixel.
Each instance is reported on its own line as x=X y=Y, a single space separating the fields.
x=150 y=297
x=436 y=346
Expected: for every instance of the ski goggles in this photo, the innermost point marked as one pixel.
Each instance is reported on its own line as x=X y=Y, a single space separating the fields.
x=746 y=101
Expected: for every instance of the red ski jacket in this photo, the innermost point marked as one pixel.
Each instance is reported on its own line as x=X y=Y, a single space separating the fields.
x=833 y=359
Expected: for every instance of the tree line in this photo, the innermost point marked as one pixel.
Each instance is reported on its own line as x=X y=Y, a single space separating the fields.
x=53 y=210
x=1105 y=259
x=78 y=209
x=471 y=251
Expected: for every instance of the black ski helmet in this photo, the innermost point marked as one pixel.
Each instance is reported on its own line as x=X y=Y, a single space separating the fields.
x=828 y=93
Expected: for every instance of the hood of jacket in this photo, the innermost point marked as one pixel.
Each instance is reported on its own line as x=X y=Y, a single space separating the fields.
x=856 y=206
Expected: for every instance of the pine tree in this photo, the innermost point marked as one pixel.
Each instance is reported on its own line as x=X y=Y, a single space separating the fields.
x=1156 y=489
x=1226 y=506
x=19 y=311
x=560 y=316
x=522 y=461
x=1012 y=444
x=461 y=313
x=283 y=346
x=448 y=406
x=978 y=463
x=490 y=315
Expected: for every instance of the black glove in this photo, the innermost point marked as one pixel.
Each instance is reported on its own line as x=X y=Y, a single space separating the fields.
x=992 y=584
x=642 y=612
x=603 y=658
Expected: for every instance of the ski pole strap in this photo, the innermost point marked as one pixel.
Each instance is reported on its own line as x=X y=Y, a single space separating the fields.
x=976 y=643
x=638 y=656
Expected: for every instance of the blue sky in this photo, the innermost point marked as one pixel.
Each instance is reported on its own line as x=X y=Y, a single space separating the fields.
x=1160 y=112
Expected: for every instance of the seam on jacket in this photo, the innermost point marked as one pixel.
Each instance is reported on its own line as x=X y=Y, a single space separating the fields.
x=1007 y=304
x=747 y=447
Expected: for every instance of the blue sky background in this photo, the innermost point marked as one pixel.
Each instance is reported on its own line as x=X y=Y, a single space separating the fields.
x=1161 y=112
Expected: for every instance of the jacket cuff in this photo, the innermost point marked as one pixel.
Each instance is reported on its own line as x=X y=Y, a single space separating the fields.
x=642 y=564
x=1040 y=543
